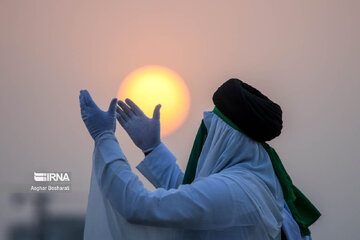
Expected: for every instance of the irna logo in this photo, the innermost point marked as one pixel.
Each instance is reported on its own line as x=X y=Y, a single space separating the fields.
x=52 y=177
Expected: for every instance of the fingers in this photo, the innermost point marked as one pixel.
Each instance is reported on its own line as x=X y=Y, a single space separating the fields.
x=82 y=105
x=126 y=109
x=122 y=114
x=112 y=106
x=156 y=114
x=81 y=99
x=120 y=119
x=134 y=107
x=88 y=101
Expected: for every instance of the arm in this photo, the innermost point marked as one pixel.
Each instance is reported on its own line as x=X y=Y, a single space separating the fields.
x=160 y=168
x=209 y=203
x=215 y=202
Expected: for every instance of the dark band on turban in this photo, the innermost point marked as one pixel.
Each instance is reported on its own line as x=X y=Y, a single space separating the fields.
x=254 y=113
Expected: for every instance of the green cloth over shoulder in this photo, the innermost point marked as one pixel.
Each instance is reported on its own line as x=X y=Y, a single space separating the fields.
x=303 y=211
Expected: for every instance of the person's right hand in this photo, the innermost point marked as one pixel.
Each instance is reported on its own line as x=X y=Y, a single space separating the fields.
x=96 y=120
x=144 y=131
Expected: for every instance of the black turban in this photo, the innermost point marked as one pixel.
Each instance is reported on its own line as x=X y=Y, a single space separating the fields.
x=255 y=114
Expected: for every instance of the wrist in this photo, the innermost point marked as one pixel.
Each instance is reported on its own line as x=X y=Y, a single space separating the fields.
x=148 y=150
x=103 y=134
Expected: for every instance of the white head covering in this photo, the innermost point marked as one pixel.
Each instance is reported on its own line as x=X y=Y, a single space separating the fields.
x=226 y=148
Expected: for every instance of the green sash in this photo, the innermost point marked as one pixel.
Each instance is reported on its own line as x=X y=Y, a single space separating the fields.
x=303 y=211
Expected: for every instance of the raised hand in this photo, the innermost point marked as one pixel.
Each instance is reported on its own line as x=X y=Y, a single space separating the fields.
x=96 y=120
x=144 y=131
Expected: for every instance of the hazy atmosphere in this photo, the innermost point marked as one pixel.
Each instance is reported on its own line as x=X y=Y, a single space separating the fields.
x=304 y=55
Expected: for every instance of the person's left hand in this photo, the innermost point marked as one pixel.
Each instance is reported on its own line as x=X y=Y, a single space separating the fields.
x=96 y=120
x=144 y=131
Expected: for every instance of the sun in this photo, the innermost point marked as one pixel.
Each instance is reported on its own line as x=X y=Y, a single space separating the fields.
x=150 y=85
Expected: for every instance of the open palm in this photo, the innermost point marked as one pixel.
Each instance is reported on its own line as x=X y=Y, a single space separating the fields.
x=144 y=131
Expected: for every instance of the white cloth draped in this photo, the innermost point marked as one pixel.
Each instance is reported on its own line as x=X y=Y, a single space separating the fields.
x=235 y=194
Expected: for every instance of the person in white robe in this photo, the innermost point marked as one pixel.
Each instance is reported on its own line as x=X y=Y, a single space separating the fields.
x=235 y=193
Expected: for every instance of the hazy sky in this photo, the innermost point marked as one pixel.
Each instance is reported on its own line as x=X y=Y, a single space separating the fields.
x=304 y=55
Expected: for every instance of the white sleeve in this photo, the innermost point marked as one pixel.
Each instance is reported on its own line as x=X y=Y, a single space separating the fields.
x=160 y=168
x=214 y=202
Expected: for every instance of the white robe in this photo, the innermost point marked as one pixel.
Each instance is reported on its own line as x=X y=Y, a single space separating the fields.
x=235 y=194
